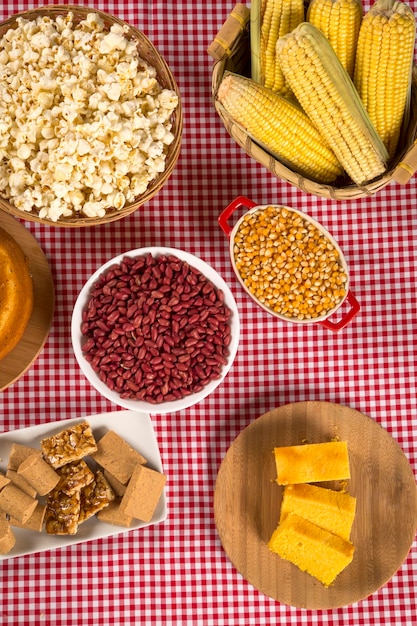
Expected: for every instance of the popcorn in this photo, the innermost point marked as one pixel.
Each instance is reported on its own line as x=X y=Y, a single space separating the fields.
x=113 y=41
x=84 y=124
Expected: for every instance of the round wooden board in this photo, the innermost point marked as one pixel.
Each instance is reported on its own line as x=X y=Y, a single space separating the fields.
x=18 y=361
x=247 y=503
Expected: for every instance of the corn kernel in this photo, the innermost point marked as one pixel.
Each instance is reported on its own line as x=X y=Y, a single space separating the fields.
x=279 y=125
x=385 y=45
x=302 y=276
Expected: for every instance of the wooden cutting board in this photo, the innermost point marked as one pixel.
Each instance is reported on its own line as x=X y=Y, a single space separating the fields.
x=247 y=503
x=18 y=361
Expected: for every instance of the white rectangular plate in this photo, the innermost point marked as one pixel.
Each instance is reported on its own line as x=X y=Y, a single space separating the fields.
x=136 y=428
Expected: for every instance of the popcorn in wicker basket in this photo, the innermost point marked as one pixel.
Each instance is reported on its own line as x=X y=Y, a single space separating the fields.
x=90 y=115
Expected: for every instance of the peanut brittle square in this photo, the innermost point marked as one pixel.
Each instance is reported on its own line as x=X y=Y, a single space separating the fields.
x=74 y=477
x=69 y=445
x=95 y=496
x=62 y=513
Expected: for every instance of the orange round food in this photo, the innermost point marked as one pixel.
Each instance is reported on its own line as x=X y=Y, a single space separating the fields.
x=16 y=293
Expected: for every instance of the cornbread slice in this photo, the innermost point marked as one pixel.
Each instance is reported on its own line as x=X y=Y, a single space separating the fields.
x=62 y=513
x=311 y=548
x=332 y=510
x=312 y=463
x=116 y=456
x=95 y=497
x=69 y=445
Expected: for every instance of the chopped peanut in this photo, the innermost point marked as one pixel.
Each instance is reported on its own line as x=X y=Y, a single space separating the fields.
x=288 y=264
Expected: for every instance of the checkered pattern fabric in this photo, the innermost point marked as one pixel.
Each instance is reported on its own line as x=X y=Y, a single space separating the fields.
x=177 y=572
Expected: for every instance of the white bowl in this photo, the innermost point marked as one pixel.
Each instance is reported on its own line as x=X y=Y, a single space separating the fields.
x=78 y=339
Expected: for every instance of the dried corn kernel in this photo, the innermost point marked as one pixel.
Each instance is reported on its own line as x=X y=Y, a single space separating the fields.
x=288 y=264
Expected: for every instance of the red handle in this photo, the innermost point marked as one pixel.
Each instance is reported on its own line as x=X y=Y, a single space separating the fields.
x=354 y=310
x=238 y=203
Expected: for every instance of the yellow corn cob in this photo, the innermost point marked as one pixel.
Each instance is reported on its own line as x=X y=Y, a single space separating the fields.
x=326 y=93
x=280 y=126
x=272 y=19
x=339 y=21
x=384 y=62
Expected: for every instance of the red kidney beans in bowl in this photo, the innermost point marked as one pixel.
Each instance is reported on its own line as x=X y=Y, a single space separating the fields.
x=156 y=329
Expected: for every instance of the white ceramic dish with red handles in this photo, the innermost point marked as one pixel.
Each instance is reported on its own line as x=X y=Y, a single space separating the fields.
x=241 y=202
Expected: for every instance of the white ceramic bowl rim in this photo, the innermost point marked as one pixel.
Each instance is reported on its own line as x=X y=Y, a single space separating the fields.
x=321 y=229
x=136 y=405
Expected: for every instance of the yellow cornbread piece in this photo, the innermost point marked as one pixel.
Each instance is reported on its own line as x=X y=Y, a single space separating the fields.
x=331 y=510
x=311 y=548
x=311 y=463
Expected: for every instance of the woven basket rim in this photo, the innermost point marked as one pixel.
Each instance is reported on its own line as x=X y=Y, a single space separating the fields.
x=166 y=79
x=234 y=62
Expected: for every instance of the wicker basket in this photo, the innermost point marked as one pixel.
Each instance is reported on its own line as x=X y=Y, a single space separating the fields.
x=231 y=52
x=147 y=52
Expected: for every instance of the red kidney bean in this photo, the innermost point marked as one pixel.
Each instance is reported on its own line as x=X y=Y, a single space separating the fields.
x=156 y=329
x=159 y=341
x=90 y=343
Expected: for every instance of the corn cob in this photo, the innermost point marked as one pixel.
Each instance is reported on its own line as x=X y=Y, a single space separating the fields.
x=326 y=93
x=339 y=21
x=280 y=126
x=271 y=19
x=384 y=62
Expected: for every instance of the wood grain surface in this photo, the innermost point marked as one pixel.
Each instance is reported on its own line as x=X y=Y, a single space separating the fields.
x=247 y=503
x=18 y=361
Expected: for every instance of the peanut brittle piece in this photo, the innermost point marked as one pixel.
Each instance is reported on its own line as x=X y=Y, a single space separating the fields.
x=74 y=477
x=62 y=513
x=69 y=445
x=95 y=496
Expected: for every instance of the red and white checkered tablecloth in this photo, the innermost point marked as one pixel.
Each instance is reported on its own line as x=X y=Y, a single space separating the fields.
x=177 y=572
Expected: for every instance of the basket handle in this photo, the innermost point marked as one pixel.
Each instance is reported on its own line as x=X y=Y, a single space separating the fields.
x=237 y=203
x=235 y=23
x=353 y=311
x=407 y=168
